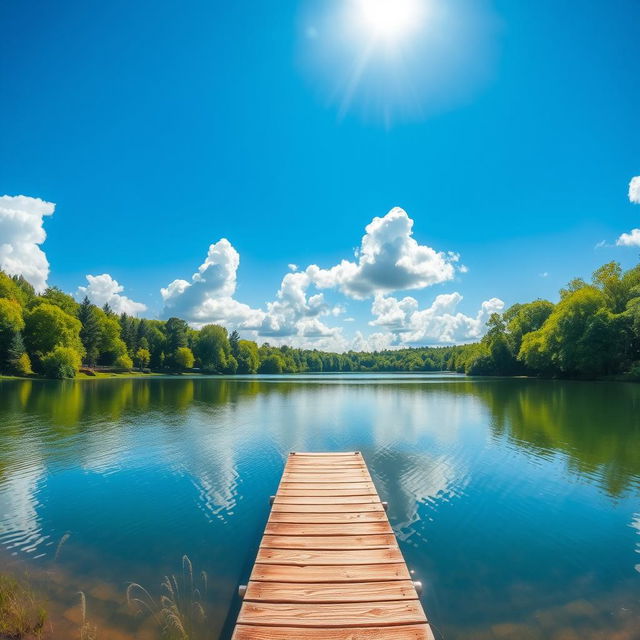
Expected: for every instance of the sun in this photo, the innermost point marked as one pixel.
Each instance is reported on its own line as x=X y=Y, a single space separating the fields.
x=388 y=19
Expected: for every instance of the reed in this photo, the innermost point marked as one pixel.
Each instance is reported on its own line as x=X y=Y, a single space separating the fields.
x=179 y=610
x=22 y=614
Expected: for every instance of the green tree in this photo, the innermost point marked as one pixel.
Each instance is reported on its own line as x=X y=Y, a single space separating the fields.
x=176 y=331
x=123 y=361
x=111 y=345
x=234 y=343
x=212 y=348
x=61 y=362
x=560 y=344
x=184 y=358
x=248 y=359
x=90 y=334
x=143 y=357
x=272 y=364
x=56 y=296
x=11 y=323
x=17 y=357
x=47 y=326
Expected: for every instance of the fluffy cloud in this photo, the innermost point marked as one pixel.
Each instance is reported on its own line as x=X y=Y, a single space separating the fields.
x=208 y=297
x=634 y=190
x=103 y=289
x=21 y=231
x=389 y=259
x=439 y=323
x=629 y=239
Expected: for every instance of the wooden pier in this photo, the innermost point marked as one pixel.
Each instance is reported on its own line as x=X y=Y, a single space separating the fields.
x=329 y=566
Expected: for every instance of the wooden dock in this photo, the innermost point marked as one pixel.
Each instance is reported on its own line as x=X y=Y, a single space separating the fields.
x=329 y=566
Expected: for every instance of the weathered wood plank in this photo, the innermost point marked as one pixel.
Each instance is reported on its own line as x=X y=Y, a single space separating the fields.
x=329 y=593
x=326 y=500
x=309 y=557
x=346 y=614
x=329 y=542
x=325 y=478
x=311 y=529
x=401 y=632
x=324 y=486
x=301 y=493
x=329 y=518
x=340 y=573
x=305 y=507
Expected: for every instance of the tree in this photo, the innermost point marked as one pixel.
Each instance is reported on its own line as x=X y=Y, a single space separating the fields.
x=17 y=357
x=10 y=289
x=525 y=318
x=111 y=345
x=234 y=343
x=61 y=362
x=143 y=357
x=123 y=361
x=56 y=296
x=560 y=345
x=176 y=332
x=248 y=359
x=90 y=334
x=11 y=323
x=272 y=364
x=47 y=326
x=184 y=358
x=212 y=348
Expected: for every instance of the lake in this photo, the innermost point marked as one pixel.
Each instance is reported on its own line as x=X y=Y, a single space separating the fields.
x=516 y=501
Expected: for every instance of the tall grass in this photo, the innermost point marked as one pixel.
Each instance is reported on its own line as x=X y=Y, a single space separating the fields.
x=179 y=610
x=22 y=614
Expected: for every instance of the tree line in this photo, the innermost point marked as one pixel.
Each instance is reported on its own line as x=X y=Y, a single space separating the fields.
x=594 y=330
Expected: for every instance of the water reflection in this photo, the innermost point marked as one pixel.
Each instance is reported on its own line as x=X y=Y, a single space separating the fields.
x=516 y=497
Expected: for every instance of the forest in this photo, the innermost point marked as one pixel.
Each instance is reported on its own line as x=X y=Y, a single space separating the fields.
x=592 y=331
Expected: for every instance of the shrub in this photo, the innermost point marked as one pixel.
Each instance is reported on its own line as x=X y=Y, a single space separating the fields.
x=124 y=362
x=62 y=362
x=22 y=366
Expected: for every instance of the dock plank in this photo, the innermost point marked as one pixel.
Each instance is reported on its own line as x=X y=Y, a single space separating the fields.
x=403 y=632
x=328 y=566
x=331 y=593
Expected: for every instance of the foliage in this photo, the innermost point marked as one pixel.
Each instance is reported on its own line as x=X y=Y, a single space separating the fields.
x=61 y=362
x=184 y=358
x=143 y=357
x=272 y=364
x=123 y=361
x=47 y=326
x=22 y=614
x=594 y=330
x=212 y=347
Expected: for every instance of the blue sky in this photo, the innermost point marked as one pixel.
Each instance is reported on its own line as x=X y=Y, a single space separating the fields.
x=508 y=132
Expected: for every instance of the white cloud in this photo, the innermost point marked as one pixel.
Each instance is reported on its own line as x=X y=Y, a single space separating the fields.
x=208 y=297
x=389 y=259
x=103 y=289
x=440 y=323
x=544 y=274
x=629 y=239
x=21 y=231
x=634 y=190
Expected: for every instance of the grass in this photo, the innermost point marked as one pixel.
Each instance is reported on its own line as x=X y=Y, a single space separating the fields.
x=22 y=614
x=179 y=611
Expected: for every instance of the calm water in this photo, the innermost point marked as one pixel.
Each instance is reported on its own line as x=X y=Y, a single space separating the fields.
x=517 y=502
